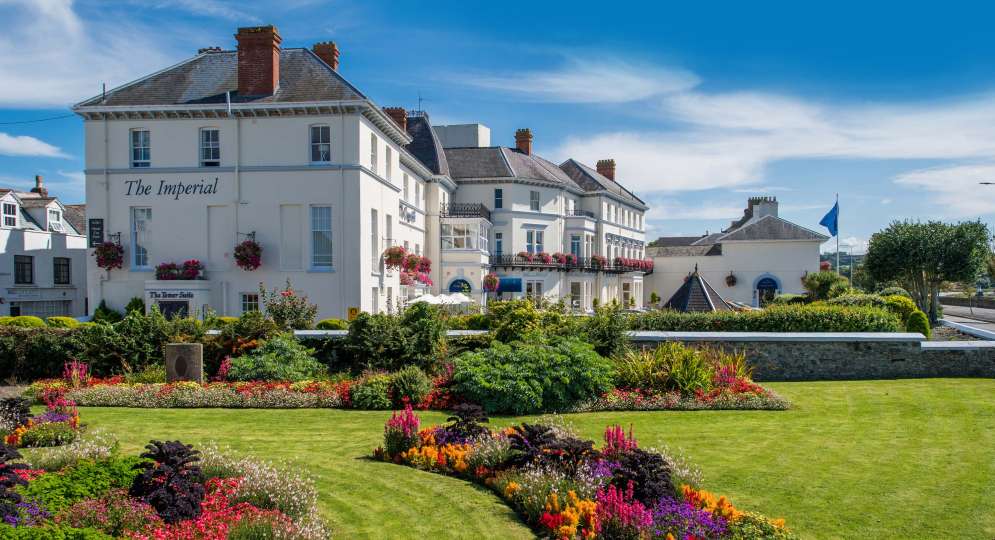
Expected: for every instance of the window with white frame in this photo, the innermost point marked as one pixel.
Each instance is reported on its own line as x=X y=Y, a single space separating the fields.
x=321 y=236
x=575 y=245
x=457 y=236
x=9 y=214
x=250 y=302
x=534 y=201
x=321 y=144
x=498 y=198
x=141 y=149
x=141 y=224
x=210 y=147
x=55 y=220
x=484 y=236
x=373 y=152
x=534 y=241
x=405 y=175
x=388 y=169
x=498 y=243
x=388 y=230
x=533 y=289
x=375 y=239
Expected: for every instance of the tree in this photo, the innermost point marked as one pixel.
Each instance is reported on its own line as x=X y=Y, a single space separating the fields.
x=920 y=256
x=818 y=284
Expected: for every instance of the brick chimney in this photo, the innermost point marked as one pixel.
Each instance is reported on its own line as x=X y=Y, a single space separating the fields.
x=39 y=187
x=258 y=60
x=329 y=52
x=398 y=115
x=523 y=141
x=606 y=168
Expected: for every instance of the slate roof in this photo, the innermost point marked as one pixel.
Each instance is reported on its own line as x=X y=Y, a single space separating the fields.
x=501 y=162
x=206 y=77
x=591 y=180
x=425 y=145
x=685 y=251
x=75 y=214
x=35 y=202
x=772 y=228
x=697 y=295
x=673 y=241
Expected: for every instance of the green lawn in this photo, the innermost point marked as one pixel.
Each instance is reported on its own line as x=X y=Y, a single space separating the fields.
x=876 y=459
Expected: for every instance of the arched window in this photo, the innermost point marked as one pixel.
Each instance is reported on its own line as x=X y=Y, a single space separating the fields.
x=766 y=290
x=460 y=286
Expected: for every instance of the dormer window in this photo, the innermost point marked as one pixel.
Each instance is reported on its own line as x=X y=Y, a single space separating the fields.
x=9 y=214
x=55 y=221
x=210 y=147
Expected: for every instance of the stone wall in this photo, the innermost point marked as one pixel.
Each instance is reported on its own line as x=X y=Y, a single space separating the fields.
x=813 y=357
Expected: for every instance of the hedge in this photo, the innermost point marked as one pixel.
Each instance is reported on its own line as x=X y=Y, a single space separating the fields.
x=824 y=318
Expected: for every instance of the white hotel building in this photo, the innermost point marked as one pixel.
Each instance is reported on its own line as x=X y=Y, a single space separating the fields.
x=274 y=144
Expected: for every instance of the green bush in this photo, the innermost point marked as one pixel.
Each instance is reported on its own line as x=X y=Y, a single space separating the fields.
x=858 y=299
x=62 y=322
x=689 y=370
x=893 y=291
x=51 y=531
x=818 y=318
x=27 y=321
x=135 y=304
x=221 y=322
x=332 y=324
x=840 y=288
x=411 y=383
x=607 y=330
x=918 y=322
x=371 y=392
x=151 y=374
x=903 y=306
x=426 y=332
x=473 y=321
x=788 y=299
x=389 y=342
x=513 y=319
x=105 y=314
x=280 y=358
x=642 y=369
x=532 y=376
x=84 y=480
x=48 y=434
x=27 y=354
x=673 y=366
x=819 y=284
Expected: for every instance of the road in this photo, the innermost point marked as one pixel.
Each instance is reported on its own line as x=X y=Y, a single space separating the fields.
x=977 y=317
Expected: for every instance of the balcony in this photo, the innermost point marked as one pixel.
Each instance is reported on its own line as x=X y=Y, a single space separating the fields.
x=580 y=264
x=577 y=212
x=465 y=210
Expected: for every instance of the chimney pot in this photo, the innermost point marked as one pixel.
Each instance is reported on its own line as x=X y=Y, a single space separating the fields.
x=398 y=115
x=203 y=50
x=329 y=52
x=258 y=60
x=39 y=186
x=606 y=168
x=523 y=141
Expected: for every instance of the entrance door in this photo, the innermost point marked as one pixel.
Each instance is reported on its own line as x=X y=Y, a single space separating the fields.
x=766 y=290
x=173 y=309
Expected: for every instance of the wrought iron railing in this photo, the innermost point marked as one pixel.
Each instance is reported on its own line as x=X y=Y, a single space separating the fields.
x=465 y=210
x=581 y=213
x=583 y=264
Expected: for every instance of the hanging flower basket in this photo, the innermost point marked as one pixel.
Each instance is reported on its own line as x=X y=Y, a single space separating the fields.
x=249 y=255
x=731 y=280
x=192 y=269
x=491 y=282
x=407 y=278
x=411 y=262
x=423 y=278
x=599 y=260
x=394 y=257
x=424 y=265
x=167 y=271
x=109 y=255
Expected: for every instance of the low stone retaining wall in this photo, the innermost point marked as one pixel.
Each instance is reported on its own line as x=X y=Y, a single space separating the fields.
x=831 y=356
x=818 y=356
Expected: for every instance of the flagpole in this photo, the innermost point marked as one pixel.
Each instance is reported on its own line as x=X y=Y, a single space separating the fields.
x=838 y=235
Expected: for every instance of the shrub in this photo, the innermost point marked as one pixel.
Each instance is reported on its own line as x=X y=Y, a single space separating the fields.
x=809 y=318
x=105 y=314
x=818 y=284
x=895 y=291
x=689 y=371
x=171 y=483
x=647 y=471
x=858 y=299
x=388 y=342
x=410 y=384
x=48 y=434
x=155 y=373
x=513 y=319
x=643 y=369
x=332 y=324
x=33 y=353
x=62 y=322
x=607 y=330
x=918 y=322
x=401 y=432
x=27 y=321
x=531 y=376
x=372 y=392
x=83 y=480
x=840 y=288
x=50 y=532
x=903 y=306
x=473 y=321
x=91 y=445
x=115 y=514
x=426 y=332
x=787 y=299
x=280 y=358
x=136 y=304
x=288 y=309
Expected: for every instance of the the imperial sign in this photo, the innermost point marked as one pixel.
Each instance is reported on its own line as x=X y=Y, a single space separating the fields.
x=176 y=189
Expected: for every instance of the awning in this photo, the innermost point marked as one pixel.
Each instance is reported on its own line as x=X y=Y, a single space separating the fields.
x=509 y=284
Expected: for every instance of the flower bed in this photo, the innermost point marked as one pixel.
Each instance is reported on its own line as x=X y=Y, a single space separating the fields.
x=57 y=426
x=566 y=488
x=169 y=492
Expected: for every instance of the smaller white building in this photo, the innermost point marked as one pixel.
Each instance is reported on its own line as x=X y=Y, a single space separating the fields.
x=760 y=255
x=42 y=255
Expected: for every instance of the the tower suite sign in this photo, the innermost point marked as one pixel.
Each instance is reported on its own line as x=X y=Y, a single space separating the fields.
x=139 y=187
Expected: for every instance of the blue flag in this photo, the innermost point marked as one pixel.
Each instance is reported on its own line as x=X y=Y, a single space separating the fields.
x=832 y=219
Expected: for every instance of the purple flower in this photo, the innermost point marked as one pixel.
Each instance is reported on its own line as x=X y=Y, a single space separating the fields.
x=28 y=514
x=52 y=417
x=681 y=519
x=604 y=468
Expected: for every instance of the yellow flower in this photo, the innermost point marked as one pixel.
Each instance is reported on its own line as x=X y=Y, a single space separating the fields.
x=511 y=489
x=779 y=523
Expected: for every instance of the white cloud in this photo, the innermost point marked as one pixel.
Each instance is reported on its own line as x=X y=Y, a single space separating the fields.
x=607 y=80
x=24 y=145
x=850 y=244
x=78 y=177
x=49 y=56
x=663 y=210
x=212 y=8
x=956 y=188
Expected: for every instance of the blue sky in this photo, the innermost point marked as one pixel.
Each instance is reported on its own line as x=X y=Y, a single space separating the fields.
x=701 y=104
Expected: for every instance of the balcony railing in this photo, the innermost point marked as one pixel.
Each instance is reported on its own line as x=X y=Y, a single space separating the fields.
x=465 y=210
x=582 y=264
x=580 y=213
